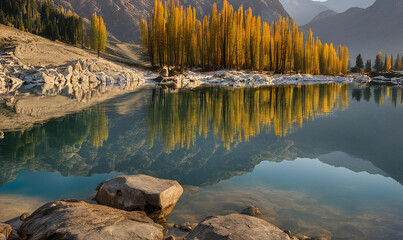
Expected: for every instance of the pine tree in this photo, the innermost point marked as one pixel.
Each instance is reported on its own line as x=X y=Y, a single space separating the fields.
x=368 y=66
x=378 y=63
x=359 y=63
x=398 y=64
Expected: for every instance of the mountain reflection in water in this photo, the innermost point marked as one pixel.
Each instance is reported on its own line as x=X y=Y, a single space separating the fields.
x=198 y=137
x=218 y=139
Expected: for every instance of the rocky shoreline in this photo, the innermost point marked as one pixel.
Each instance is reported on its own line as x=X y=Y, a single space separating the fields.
x=135 y=207
x=31 y=94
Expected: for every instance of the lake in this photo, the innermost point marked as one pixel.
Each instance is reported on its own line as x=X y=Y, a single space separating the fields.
x=322 y=160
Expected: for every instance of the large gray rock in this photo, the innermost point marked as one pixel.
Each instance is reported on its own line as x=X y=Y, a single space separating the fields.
x=75 y=220
x=157 y=197
x=236 y=226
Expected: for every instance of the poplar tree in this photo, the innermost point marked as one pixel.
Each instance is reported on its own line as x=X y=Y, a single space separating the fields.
x=98 y=34
x=234 y=39
x=94 y=32
x=388 y=64
x=102 y=37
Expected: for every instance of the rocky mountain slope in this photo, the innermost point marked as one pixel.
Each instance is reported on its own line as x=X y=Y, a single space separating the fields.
x=122 y=16
x=342 y=5
x=364 y=31
x=303 y=11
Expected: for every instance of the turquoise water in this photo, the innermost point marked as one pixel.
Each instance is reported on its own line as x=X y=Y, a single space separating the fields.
x=322 y=160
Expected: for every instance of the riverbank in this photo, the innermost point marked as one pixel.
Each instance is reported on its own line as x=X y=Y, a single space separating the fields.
x=42 y=79
x=32 y=94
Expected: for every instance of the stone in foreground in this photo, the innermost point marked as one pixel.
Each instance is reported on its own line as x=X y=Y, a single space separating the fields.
x=236 y=226
x=5 y=229
x=75 y=220
x=157 y=197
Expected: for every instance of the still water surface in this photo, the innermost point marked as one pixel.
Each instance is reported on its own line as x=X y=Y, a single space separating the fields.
x=323 y=160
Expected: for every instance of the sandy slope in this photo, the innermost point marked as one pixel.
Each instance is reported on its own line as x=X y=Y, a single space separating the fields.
x=35 y=50
x=31 y=50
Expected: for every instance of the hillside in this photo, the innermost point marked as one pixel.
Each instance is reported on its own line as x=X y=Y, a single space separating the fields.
x=303 y=11
x=122 y=16
x=343 y=5
x=364 y=31
x=42 y=79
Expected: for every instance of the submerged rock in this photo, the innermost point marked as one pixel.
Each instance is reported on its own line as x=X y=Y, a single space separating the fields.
x=236 y=226
x=157 y=197
x=251 y=211
x=74 y=220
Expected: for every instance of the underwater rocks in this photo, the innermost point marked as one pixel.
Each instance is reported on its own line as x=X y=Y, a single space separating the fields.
x=129 y=207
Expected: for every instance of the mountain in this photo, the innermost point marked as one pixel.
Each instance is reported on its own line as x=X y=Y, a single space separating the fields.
x=342 y=5
x=364 y=31
x=323 y=15
x=303 y=11
x=122 y=16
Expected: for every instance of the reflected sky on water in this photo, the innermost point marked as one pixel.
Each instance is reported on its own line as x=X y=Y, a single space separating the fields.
x=324 y=160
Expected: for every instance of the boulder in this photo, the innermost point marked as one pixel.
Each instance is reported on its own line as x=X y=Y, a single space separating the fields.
x=157 y=197
x=15 y=224
x=74 y=220
x=236 y=226
x=164 y=72
x=5 y=230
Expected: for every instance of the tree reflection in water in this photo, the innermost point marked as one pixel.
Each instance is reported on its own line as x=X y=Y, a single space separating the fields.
x=235 y=115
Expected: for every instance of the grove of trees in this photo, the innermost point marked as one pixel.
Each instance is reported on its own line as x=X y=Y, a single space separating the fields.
x=98 y=34
x=383 y=63
x=44 y=18
x=173 y=36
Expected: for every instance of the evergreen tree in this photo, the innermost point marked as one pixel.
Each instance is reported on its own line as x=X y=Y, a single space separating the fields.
x=398 y=64
x=359 y=63
x=378 y=63
x=368 y=66
x=44 y=18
